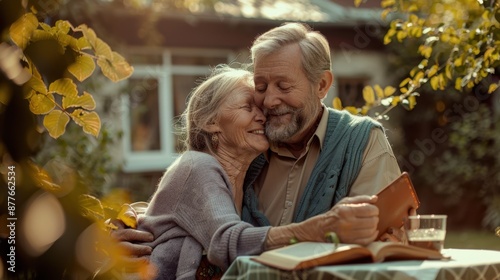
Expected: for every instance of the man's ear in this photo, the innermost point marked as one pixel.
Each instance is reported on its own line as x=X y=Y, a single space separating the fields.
x=325 y=83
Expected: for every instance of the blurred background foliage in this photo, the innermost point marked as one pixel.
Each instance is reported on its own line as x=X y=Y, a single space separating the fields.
x=446 y=59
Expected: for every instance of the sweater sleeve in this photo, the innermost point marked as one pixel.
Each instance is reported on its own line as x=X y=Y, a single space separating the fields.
x=206 y=211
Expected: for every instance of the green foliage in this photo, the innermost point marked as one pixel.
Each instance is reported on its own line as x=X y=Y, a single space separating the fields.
x=458 y=44
x=471 y=155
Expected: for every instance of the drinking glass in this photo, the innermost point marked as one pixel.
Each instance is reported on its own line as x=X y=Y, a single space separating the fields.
x=426 y=231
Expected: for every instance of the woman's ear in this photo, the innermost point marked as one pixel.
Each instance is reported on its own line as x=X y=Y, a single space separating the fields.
x=212 y=127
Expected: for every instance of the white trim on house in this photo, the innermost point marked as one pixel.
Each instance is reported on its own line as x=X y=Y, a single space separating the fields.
x=154 y=160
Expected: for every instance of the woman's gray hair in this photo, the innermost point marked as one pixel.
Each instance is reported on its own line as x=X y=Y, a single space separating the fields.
x=313 y=45
x=204 y=103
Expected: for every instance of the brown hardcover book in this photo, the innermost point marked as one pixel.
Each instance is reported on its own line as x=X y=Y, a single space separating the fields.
x=304 y=255
x=394 y=202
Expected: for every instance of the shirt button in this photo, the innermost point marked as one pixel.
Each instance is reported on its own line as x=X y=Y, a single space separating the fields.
x=288 y=204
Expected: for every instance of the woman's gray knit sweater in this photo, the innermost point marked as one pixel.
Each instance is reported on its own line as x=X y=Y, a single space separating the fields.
x=193 y=211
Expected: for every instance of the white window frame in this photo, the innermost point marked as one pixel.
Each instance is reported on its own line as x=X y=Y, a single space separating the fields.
x=144 y=161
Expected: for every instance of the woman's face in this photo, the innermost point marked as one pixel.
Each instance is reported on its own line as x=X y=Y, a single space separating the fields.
x=242 y=125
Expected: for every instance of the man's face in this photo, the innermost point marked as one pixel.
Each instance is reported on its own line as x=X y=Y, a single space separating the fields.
x=285 y=94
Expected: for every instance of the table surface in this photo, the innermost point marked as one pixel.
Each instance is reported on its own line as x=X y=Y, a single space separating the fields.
x=464 y=264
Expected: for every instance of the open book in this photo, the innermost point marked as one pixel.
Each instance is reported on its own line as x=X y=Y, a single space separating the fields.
x=310 y=254
x=394 y=201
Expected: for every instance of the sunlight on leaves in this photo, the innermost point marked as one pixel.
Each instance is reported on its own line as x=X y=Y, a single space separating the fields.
x=337 y=103
x=116 y=69
x=89 y=121
x=368 y=95
x=55 y=122
x=128 y=216
x=64 y=87
x=43 y=180
x=91 y=207
x=82 y=68
x=42 y=103
x=21 y=31
x=85 y=101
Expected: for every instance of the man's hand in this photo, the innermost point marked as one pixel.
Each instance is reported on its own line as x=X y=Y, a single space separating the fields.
x=128 y=237
x=353 y=219
x=397 y=234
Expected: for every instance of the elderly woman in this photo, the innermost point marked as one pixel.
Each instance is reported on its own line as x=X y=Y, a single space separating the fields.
x=196 y=209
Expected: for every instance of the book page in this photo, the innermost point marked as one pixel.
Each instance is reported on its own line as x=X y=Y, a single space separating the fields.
x=309 y=254
x=398 y=251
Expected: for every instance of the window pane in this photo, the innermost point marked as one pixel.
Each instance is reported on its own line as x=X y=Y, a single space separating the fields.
x=182 y=86
x=198 y=60
x=144 y=114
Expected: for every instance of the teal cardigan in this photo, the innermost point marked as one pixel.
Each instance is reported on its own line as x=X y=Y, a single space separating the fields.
x=335 y=171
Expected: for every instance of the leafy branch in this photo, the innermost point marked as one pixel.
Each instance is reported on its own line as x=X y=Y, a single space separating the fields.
x=86 y=50
x=458 y=42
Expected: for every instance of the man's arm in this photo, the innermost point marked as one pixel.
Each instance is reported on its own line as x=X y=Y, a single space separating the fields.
x=379 y=166
x=354 y=220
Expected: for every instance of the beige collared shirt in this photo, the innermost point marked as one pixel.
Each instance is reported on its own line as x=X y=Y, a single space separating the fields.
x=282 y=182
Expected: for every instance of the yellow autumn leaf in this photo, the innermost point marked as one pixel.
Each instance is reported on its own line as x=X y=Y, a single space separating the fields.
x=91 y=207
x=401 y=35
x=337 y=103
x=488 y=53
x=66 y=40
x=492 y=88
x=85 y=101
x=379 y=91
x=435 y=83
x=83 y=43
x=88 y=34
x=55 y=122
x=368 y=95
x=458 y=62
x=404 y=82
x=64 y=87
x=128 y=216
x=395 y=100
x=42 y=179
x=40 y=35
x=102 y=50
x=351 y=109
x=22 y=29
x=432 y=71
x=458 y=84
x=116 y=69
x=89 y=121
x=82 y=68
x=389 y=90
x=33 y=86
x=412 y=102
x=387 y=3
x=42 y=103
x=62 y=26
x=418 y=77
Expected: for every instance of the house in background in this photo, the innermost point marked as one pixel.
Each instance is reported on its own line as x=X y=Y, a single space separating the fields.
x=172 y=50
